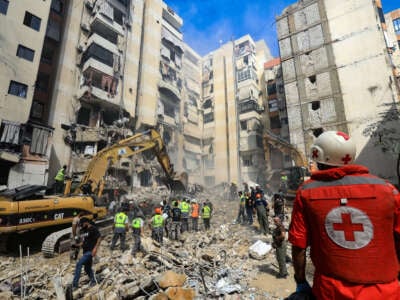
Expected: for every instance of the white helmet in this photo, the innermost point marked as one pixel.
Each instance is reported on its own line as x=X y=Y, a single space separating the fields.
x=194 y=201
x=333 y=148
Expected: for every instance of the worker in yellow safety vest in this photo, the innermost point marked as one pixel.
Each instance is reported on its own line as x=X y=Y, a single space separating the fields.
x=206 y=215
x=137 y=233
x=59 y=180
x=157 y=226
x=121 y=226
x=185 y=209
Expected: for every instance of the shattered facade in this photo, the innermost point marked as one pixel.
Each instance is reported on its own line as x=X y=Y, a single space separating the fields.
x=233 y=106
x=24 y=141
x=276 y=121
x=325 y=58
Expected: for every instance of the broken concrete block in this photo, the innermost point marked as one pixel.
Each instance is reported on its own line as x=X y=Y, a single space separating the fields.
x=159 y=296
x=179 y=293
x=259 y=250
x=171 y=279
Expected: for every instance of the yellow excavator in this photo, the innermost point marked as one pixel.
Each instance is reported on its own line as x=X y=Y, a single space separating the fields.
x=27 y=207
x=295 y=174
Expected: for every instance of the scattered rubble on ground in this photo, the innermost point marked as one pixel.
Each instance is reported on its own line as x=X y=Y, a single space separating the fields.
x=218 y=264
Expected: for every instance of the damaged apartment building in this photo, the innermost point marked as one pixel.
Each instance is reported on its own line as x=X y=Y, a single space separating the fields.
x=337 y=76
x=123 y=72
x=233 y=112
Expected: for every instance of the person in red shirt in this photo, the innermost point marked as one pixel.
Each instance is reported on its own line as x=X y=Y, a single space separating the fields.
x=350 y=219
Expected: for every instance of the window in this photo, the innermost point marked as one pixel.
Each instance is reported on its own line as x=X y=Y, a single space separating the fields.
x=207 y=104
x=25 y=52
x=271 y=88
x=315 y=105
x=396 y=25
x=83 y=116
x=47 y=55
x=99 y=53
x=208 y=117
x=247 y=160
x=243 y=75
x=381 y=15
x=317 y=132
x=18 y=89
x=42 y=82
x=275 y=122
x=243 y=125
x=32 y=21
x=57 y=6
x=118 y=16
x=37 y=109
x=3 y=7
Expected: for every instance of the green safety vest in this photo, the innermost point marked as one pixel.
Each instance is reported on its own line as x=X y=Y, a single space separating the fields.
x=242 y=200
x=185 y=207
x=284 y=178
x=120 y=219
x=136 y=223
x=60 y=175
x=206 y=212
x=157 y=221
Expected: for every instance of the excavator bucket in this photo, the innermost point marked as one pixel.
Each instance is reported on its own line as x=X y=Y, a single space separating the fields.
x=178 y=183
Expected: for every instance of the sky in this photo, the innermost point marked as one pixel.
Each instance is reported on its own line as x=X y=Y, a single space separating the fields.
x=208 y=23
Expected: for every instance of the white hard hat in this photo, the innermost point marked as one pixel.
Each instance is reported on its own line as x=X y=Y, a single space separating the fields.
x=194 y=201
x=333 y=148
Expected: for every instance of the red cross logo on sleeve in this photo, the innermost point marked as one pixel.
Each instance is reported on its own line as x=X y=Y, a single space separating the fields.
x=349 y=227
x=346 y=159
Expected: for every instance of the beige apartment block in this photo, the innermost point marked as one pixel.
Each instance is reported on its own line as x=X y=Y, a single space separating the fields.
x=337 y=76
x=24 y=143
x=392 y=37
x=233 y=107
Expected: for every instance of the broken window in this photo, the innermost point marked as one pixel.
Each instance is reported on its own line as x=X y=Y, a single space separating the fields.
x=207 y=104
x=243 y=125
x=247 y=160
x=83 y=117
x=99 y=53
x=118 y=16
x=315 y=105
x=209 y=117
x=317 y=132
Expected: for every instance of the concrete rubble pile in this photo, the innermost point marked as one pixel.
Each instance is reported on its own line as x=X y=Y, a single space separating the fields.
x=202 y=265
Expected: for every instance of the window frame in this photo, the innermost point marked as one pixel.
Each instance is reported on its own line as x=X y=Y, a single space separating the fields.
x=5 y=10
x=32 y=18
x=22 y=50
x=396 y=26
x=19 y=85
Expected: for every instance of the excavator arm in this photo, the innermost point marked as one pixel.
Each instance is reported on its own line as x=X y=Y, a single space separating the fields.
x=149 y=140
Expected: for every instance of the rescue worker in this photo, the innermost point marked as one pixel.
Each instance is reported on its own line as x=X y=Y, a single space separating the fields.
x=194 y=214
x=350 y=219
x=249 y=208
x=279 y=206
x=185 y=207
x=206 y=215
x=166 y=209
x=59 y=180
x=86 y=188
x=262 y=213
x=279 y=243
x=137 y=233
x=121 y=226
x=75 y=235
x=176 y=220
x=241 y=218
x=284 y=183
x=157 y=226
x=90 y=245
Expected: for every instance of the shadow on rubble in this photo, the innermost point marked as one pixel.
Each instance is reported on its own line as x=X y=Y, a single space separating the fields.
x=269 y=269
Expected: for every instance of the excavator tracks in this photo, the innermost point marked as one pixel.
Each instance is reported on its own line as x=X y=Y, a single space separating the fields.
x=59 y=241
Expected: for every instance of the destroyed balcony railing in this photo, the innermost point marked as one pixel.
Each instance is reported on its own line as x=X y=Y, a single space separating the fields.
x=104 y=17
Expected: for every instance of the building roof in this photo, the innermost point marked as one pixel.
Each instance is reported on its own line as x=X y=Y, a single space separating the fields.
x=272 y=63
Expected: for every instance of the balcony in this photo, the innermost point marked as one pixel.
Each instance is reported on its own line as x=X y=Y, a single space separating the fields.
x=192 y=130
x=191 y=147
x=251 y=142
x=94 y=94
x=99 y=40
x=250 y=106
x=100 y=20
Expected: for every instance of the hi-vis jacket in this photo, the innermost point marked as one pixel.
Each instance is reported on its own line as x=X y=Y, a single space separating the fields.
x=349 y=218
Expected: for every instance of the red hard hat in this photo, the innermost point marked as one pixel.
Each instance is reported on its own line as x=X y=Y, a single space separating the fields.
x=157 y=210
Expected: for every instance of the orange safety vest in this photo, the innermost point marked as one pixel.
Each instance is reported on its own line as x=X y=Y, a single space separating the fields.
x=351 y=228
x=195 y=210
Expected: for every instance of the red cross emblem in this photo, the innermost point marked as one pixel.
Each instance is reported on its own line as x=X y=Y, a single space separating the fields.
x=315 y=153
x=342 y=134
x=349 y=227
x=346 y=159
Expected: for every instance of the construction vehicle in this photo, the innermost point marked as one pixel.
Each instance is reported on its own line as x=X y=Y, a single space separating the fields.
x=296 y=174
x=27 y=207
